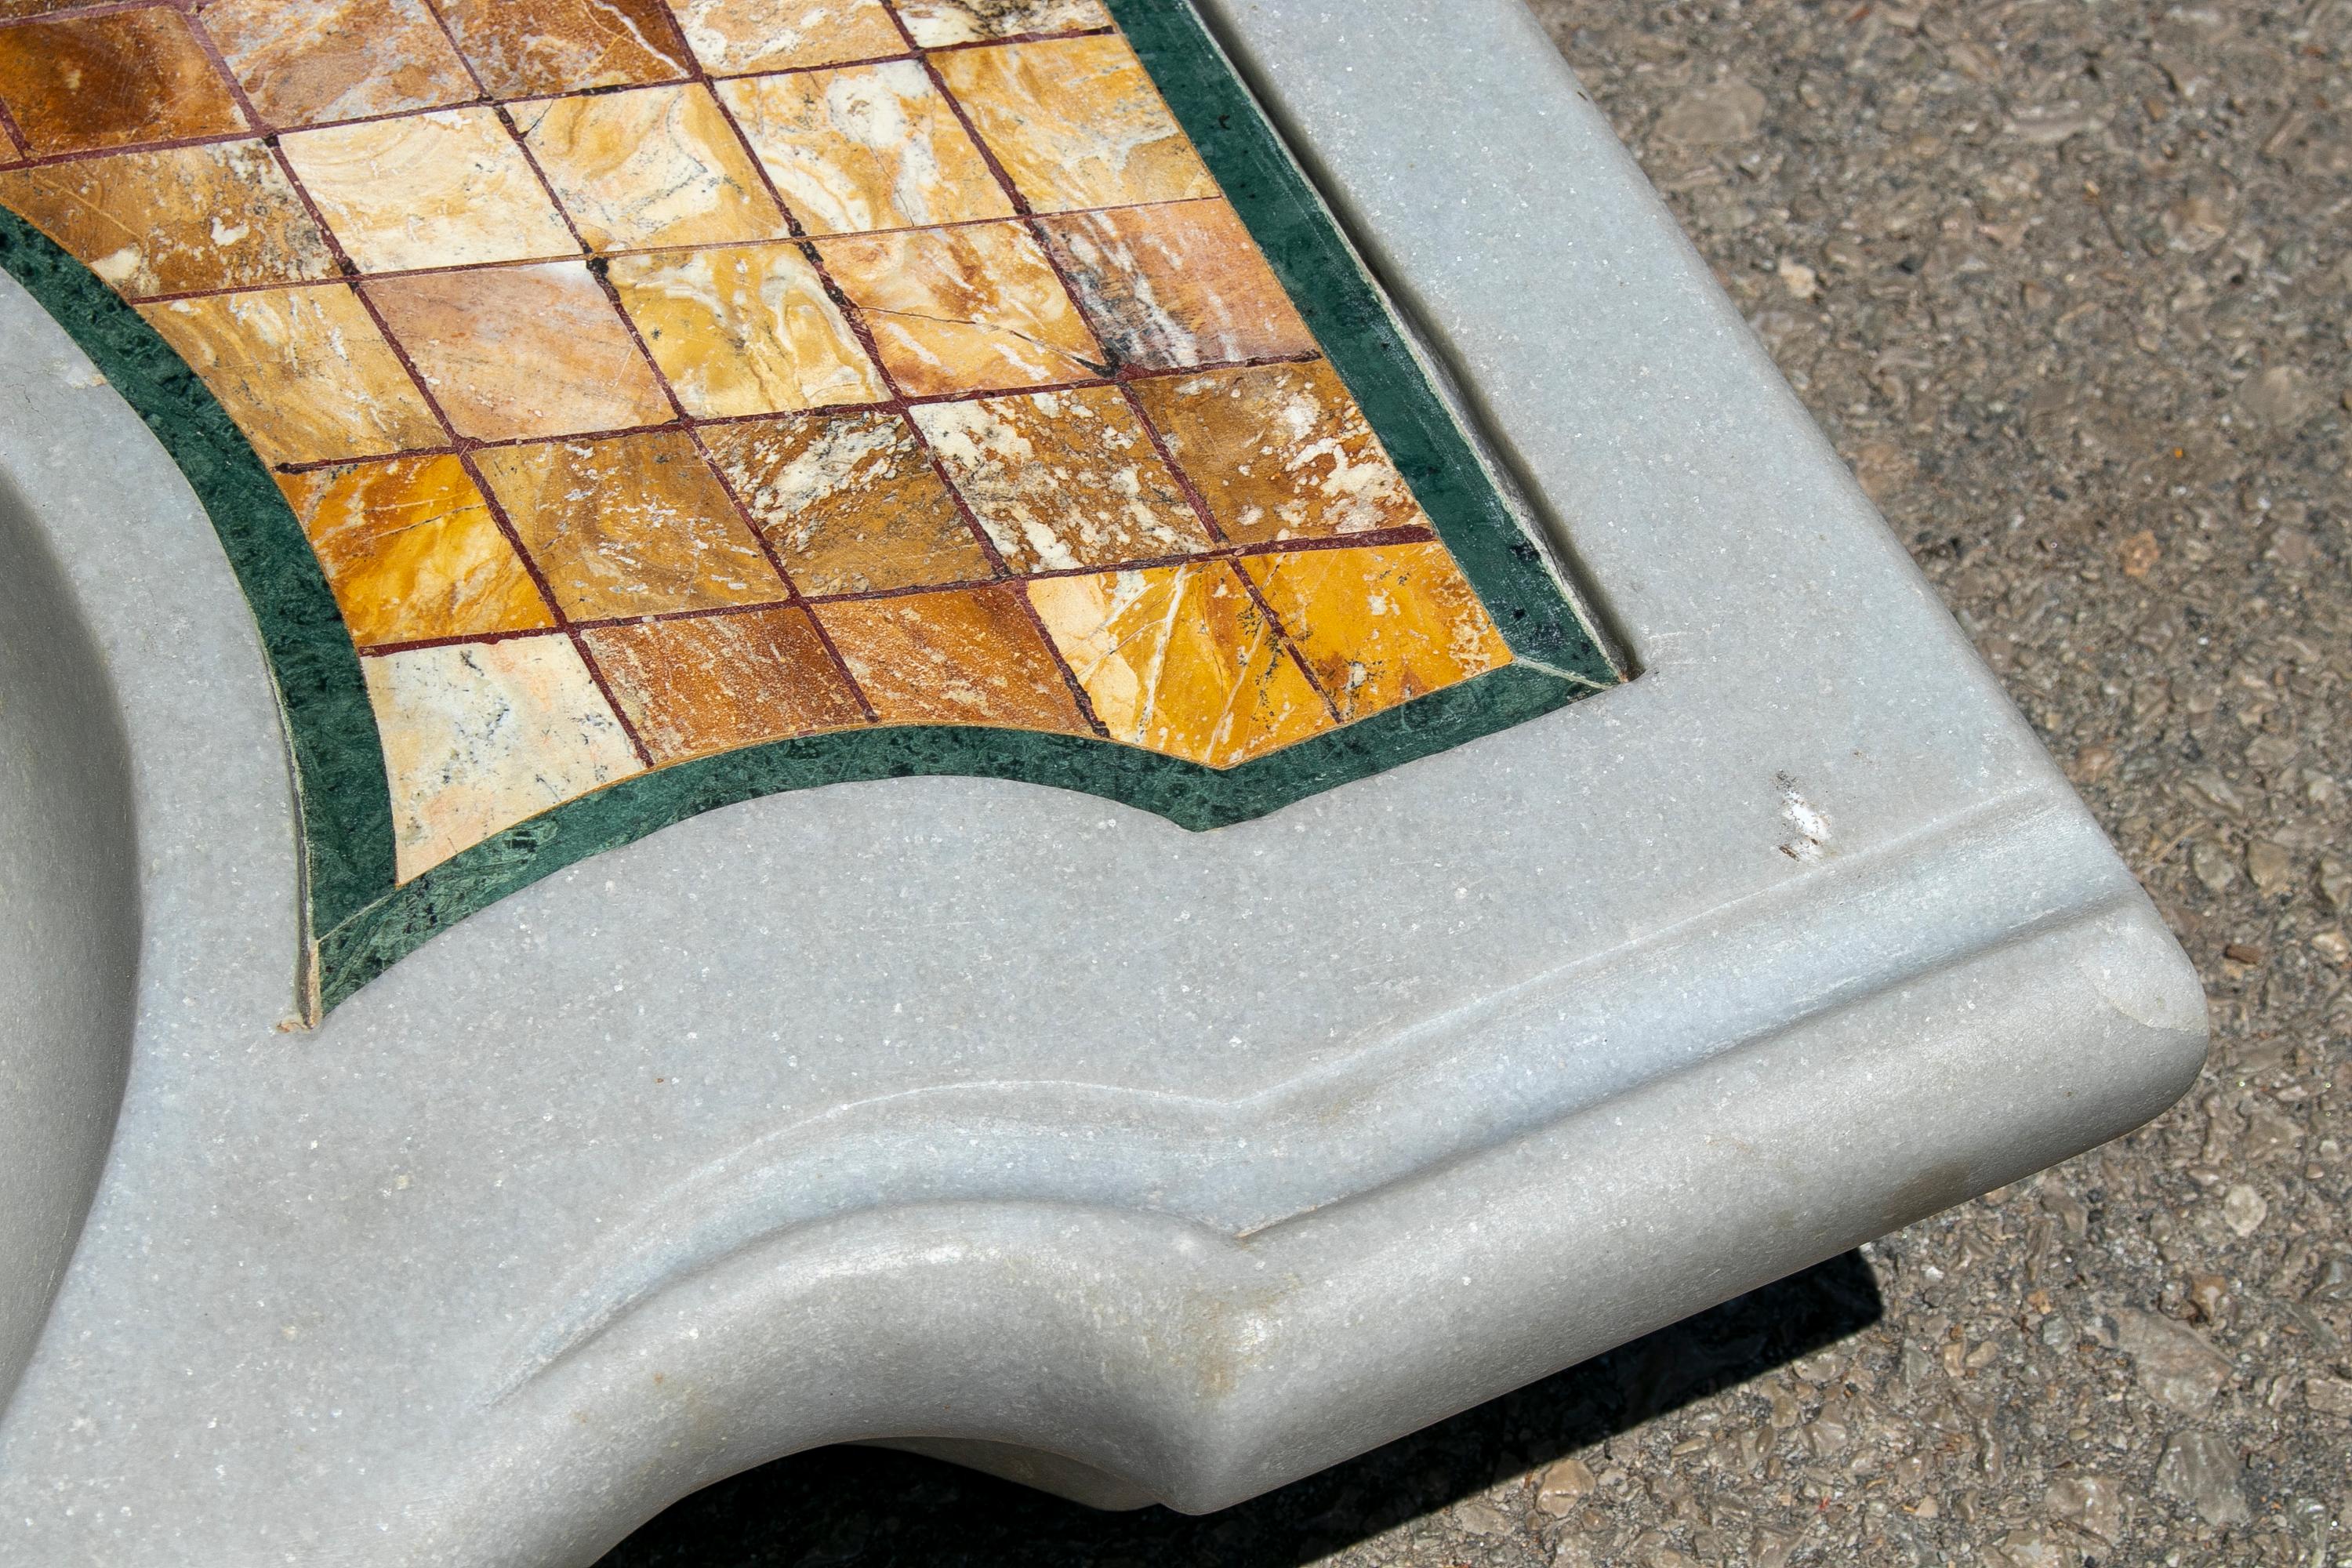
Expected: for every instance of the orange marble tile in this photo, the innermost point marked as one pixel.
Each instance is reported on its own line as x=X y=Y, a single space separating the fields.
x=850 y=502
x=714 y=683
x=635 y=525
x=303 y=372
x=513 y=353
x=935 y=23
x=870 y=147
x=1076 y=123
x=965 y=309
x=178 y=220
x=1280 y=452
x=1063 y=479
x=445 y=189
x=746 y=330
x=76 y=83
x=480 y=736
x=1177 y=285
x=1381 y=627
x=970 y=657
x=658 y=165
x=528 y=48
x=411 y=553
x=736 y=37
x=1180 y=660
x=307 y=62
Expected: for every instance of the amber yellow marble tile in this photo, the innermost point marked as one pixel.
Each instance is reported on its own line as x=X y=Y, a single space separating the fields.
x=307 y=62
x=973 y=656
x=658 y=165
x=714 y=683
x=733 y=37
x=74 y=83
x=1383 y=625
x=513 y=352
x=1063 y=479
x=479 y=736
x=965 y=309
x=1280 y=452
x=937 y=22
x=1076 y=123
x=221 y=215
x=1175 y=285
x=635 y=525
x=445 y=189
x=1180 y=660
x=412 y=551
x=528 y=48
x=303 y=372
x=850 y=502
x=745 y=329
x=870 y=147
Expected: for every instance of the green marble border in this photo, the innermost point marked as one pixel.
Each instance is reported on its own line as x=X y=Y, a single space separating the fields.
x=359 y=920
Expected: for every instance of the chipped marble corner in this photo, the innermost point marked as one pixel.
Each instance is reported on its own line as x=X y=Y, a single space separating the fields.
x=745 y=329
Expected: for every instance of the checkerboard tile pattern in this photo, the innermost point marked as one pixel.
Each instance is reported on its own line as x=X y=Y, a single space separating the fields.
x=655 y=378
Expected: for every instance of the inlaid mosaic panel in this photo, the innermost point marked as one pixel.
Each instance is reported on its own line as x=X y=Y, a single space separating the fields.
x=618 y=408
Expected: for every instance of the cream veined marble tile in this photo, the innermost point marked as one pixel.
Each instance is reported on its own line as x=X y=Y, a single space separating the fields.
x=937 y=23
x=445 y=189
x=652 y=166
x=734 y=37
x=745 y=329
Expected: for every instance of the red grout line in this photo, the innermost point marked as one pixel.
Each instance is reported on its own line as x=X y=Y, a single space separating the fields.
x=433 y=9
x=204 y=37
x=15 y=134
x=1011 y=39
x=92 y=13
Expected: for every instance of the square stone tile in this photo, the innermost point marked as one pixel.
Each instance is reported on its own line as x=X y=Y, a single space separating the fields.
x=633 y=525
x=715 y=683
x=733 y=37
x=480 y=736
x=747 y=330
x=1180 y=660
x=656 y=165
x=513 y=353
x=412 y=551
x=303 y=372
x=870 y=147
x=965 y=309
x=309 y=62
x=176 y=220
x=533 y=49
x=970 y=656
x=1063 y=479
x=74 y=83
x=1381 y=627
x=1176 y=285
x=1280 y=452
x=446 y=189
x=935 y=23
x=1077 y=123
x=850 y=502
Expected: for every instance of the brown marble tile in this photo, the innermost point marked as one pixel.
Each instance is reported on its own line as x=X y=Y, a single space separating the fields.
x=513 y=353
x=1076 y=123
x=746 y=330
x=303 y=372
x=177 y=220
x=965 y=309
x=1280 y=452
x=529 y=48
x=972 y=656
x=79 y=82
x=850 y=502
x=715 y=683
x=935 y=22
x=412 y=551
x=1381 y=627
x=870 y=147
x=736 y=37
x=1063 y=479
x=445 y=189
x=633 y=525
x=658 y=165
x=1180 y=660
x=307 y=62
x=1177 y=285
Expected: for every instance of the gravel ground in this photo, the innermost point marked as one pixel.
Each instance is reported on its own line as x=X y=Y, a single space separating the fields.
x=2070 y=283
